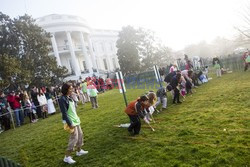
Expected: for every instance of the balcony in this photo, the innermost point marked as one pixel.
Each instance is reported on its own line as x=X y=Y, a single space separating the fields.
x=63 y=48
x=85 y=71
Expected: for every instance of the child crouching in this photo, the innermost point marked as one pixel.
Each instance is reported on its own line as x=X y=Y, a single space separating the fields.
x=135 y=111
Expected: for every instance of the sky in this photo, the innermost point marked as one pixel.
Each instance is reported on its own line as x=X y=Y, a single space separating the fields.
x=177 y=23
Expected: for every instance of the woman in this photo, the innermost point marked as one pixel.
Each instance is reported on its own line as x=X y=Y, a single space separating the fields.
x=71 y=123
x=42 y=103
x=51 y=107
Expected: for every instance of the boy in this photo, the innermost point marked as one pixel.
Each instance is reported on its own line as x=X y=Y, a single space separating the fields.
x=135 y=111
x=162 y=97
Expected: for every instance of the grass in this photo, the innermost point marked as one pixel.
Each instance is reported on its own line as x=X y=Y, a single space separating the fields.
x=211 y=128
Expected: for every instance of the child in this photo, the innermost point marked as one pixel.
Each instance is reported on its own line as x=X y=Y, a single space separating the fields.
x=162 y=97
x=84 y=90
x=135 y=111
x=28 y=108
x=149 y=110
x=33 y=108
x=92 y=93
x=72 y=123
x=217 y=66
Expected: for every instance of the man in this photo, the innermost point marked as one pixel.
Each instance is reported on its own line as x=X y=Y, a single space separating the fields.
x=175 y=83
x=14 y=101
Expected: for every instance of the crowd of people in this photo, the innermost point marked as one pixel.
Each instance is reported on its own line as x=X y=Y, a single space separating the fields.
x=38 y=103
x=178 y=83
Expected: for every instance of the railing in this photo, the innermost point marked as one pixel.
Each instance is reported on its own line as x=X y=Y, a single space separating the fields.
x=63 y=47
x=85 y=72
x=233 y=62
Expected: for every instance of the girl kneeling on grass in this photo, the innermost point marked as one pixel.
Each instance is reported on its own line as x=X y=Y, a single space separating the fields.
x=71 y=123
x=150 y=107
x=134 y=111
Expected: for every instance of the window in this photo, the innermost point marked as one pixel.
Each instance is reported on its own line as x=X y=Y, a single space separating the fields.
x=84 y=65
x=105 y=64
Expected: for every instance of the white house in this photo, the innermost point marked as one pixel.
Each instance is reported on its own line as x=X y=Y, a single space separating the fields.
x=82 y=50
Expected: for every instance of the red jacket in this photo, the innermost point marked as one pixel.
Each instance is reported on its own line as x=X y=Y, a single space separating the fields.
x=14 y=101
x=135 y=108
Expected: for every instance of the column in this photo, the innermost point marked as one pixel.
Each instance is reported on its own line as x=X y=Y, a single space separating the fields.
x=117 y=62
x=92 y=52
x=73 y=56
x=55 y=49
x=85 y=54
x=110 y=63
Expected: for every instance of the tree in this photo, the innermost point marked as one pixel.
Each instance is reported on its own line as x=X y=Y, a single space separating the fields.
x=28 y=45
x=128 y=54
x=139 y=50
x=152 y=52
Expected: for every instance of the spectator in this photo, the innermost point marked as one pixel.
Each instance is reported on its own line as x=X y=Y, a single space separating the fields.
x=246 y=58
x=34 y=93
x=4 y=112
x=42 y=103
x=14 y=101
x=28 y=108
x=51 y=107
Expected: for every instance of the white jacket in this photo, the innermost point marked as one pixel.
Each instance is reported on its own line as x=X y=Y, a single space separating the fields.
x=42 y=100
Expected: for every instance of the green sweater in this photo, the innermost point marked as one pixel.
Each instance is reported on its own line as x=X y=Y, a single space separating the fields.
x=72 y=114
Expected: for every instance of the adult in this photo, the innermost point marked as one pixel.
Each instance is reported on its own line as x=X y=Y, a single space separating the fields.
x=175 y=85
x=51 y=107
x=14 y=101
x=188 y=65
x=34 y=93
x=109 y=83
x=5 y=118
x=246 y=58
x=102 y=84
x=71 y=123
x=42 y=102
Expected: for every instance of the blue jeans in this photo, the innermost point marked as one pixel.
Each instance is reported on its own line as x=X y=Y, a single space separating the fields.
x=19 y=116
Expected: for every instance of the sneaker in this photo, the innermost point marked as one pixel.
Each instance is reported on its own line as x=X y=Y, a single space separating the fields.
x=81 y=152
x=69 y=160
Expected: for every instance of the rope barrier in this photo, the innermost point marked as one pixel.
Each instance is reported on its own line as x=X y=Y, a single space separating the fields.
x=22 y=109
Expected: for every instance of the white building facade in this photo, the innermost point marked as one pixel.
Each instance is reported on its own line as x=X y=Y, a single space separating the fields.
x=82 y=50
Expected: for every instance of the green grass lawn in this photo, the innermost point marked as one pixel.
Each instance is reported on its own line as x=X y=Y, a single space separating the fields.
x=211 y=128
